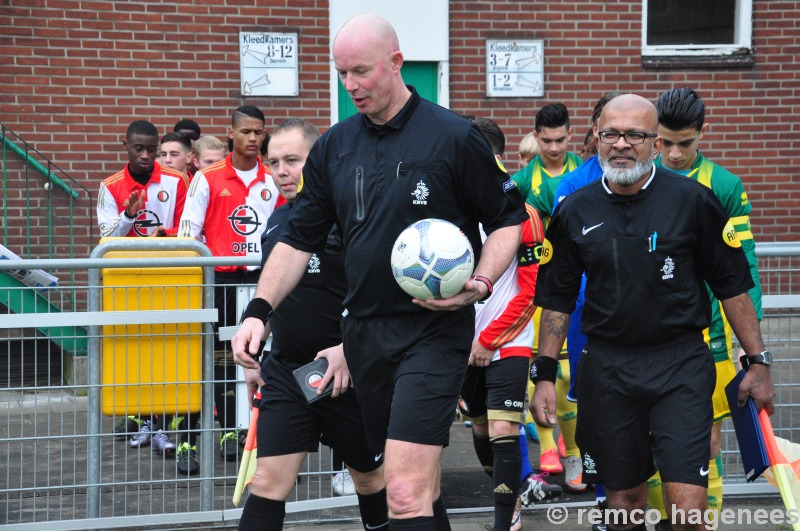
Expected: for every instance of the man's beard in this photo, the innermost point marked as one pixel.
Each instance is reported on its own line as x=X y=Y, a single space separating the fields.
x=627 y=176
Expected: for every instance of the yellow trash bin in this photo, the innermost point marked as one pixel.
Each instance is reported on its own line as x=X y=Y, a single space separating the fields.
x=151 y=368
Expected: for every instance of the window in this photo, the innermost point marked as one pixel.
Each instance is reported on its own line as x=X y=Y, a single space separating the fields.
x=700 y=28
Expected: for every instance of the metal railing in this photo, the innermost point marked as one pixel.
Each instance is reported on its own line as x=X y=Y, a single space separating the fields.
x=37 y=204
x=65 y=467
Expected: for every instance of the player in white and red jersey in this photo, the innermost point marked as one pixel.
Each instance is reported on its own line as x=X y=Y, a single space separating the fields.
x=230 y=202
x=493 y=394
x=144 y=198
x=232 y=207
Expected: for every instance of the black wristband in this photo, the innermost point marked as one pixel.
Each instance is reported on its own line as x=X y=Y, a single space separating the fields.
x=544 y=368
x=258 y=308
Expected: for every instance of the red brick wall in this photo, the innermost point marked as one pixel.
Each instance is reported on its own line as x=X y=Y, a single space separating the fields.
x=595 y=47
x=76 y=73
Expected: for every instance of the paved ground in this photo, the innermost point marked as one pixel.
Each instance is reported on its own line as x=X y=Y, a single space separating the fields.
x=51 y=440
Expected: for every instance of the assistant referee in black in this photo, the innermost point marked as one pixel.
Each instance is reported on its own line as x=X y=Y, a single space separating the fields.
x=648 y=240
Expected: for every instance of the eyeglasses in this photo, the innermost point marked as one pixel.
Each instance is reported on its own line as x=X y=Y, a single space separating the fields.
x=631 y=137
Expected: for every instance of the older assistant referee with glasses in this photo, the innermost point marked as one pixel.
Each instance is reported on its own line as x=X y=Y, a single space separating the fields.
x=648 y=240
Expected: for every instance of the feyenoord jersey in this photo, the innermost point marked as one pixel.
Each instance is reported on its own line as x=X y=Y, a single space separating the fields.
x=165 y=194
x=232 y=214
x=503 y=322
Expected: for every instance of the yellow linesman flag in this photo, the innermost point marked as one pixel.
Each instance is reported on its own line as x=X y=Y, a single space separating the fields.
x=783 y=473
x=247 y=467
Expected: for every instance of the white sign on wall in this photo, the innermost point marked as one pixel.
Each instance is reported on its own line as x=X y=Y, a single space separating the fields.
x=268 y=64
x=514 y=68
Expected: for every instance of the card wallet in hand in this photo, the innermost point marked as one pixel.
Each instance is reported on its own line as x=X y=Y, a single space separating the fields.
x=309 y=376
x=748 y=431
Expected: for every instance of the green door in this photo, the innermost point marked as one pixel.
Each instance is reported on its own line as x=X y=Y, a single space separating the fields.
x=423 y=76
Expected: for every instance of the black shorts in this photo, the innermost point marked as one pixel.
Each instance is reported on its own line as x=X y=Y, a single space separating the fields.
x=408 y=371
x=640 y=406
x=496 y=392
x=288 y=424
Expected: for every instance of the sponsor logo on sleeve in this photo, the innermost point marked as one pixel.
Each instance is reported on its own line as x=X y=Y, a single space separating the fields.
x=729 y=236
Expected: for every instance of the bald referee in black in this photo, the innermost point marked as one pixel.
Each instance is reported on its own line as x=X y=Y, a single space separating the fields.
x=648 y=240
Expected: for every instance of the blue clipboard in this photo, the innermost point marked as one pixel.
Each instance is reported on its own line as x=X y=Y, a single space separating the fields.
x=748 y=431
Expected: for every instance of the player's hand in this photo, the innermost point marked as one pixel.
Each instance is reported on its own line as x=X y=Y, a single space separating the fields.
x=135 y=203
x=757 y=383
x=246 y=344
x=337 y=371
x=252 y=378
x=543 y=404
x=480 y=356
x=473 y=291
x=158 y=232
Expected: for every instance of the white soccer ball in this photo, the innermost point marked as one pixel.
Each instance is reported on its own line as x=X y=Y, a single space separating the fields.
x=432 y=259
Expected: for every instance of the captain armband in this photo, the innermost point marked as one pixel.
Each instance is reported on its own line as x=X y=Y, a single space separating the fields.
x=544 y=368
x=528 y=254
x=258 y=308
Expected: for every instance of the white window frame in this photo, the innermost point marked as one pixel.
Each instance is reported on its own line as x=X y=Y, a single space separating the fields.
x=743 y=32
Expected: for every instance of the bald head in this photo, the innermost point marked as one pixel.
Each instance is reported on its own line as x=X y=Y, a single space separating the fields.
x=634 y=106
x=627 y=131
x=370 y=30
x=367 y=57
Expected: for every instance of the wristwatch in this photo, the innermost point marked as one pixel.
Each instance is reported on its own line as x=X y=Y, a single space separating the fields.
x=764 y=358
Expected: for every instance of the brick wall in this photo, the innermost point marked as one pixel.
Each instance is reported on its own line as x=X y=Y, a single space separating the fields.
x=75 y=73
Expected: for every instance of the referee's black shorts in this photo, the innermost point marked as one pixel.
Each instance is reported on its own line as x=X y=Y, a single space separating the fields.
x=637 y=406
x=408 y=370
x=288 y=424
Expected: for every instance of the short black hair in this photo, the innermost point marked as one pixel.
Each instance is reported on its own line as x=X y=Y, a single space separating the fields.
x=307 y=129
x=492 y=133
x=188 y=125
x=177 y=136
x=552 y=116
x=141 y=127
x=247 y=111
x=598 y=107
x=681 y=108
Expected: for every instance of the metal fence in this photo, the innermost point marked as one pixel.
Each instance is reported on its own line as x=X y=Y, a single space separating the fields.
x=73 y=368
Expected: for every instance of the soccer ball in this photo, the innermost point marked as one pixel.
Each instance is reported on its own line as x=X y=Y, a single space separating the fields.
x=432 y=259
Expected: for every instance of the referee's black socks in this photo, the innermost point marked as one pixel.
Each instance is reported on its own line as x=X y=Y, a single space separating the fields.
x=374 y=510
x=262 y=514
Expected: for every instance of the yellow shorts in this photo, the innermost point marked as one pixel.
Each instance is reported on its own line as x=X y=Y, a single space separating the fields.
x=726 y=370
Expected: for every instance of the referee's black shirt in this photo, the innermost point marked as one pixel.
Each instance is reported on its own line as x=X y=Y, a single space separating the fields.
x=374 y=181
x=641 y=290
x=309 y=319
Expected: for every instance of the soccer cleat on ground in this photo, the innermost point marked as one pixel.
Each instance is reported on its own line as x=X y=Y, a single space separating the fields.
x=550 y=462
x=573 y=478
x=516 y=520
x=229 y=446
x=242 y=437
x=163 y=444
x=142 y=438
x=535 y=488
x=187 y=460
x=342 y=484
x=175 y=423
x=127 y=426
